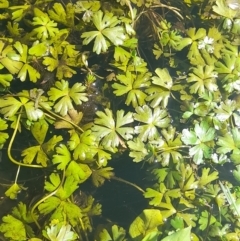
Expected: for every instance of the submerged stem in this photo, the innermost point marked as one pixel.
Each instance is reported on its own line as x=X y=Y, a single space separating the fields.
x=129 y=183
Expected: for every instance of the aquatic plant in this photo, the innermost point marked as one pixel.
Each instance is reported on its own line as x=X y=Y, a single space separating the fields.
x=86 y=82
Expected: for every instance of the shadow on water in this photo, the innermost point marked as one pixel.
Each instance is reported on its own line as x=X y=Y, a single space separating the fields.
x=122 y=203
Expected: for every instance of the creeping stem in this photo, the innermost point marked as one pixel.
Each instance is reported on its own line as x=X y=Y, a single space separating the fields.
x=10 y=146
x=44 y=199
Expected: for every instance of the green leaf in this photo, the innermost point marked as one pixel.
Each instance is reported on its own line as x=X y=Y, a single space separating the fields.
x=201 y=138
x=82 y=145
x=137 y=150
x=35 y=153
x=44 y=28
x=38 y=49
x=111 y=132
x=21 y=212
x=148 y=221
x=206 y=178
x=19 y=11
x=132 y=85
x=5 y=79
x=223 y=10
x=114 y=234
x=39 y=130
x=4 y=4
x=59 y=14
x=177 y=223
x=3 y=136
x=106 y=31
x=54 y=182
x=67 y=211
x=236 y=173
x=204 y=78
x=206 y=220
x=11 y=64
x=100 y=175
x=13 y=191
x=155 y=195
x=225 y=110
x=160 y=92
x=80 y=172
x=152 y=119
x=62 y=158
x=34 y=75
x=66 y=96
x=230 y=143
x=180 y=235
x=68 y=188
x=13 y=228
x=166 y=147
x=49 y=205
x=188 y=218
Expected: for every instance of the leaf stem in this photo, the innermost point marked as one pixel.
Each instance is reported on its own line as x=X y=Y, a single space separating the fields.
x=10 y=147
x=44 y=199
x=129 y=183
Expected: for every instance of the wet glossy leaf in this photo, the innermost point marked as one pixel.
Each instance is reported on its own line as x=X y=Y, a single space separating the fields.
x=167 y=147
x=13 y=65
x=81 y=145
x=112 y=132
x=200 y=138
x=180 y=235
x=203 y=78
x=80 y=172
x=230 y=143
x=153 y=119
x=188 y=180
x=138 y=150
x=33 y=74
x=132 y=85
x=106 y=31
x=160 y=92
x=65 y=96
x=148 y=221
x=62 y=158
